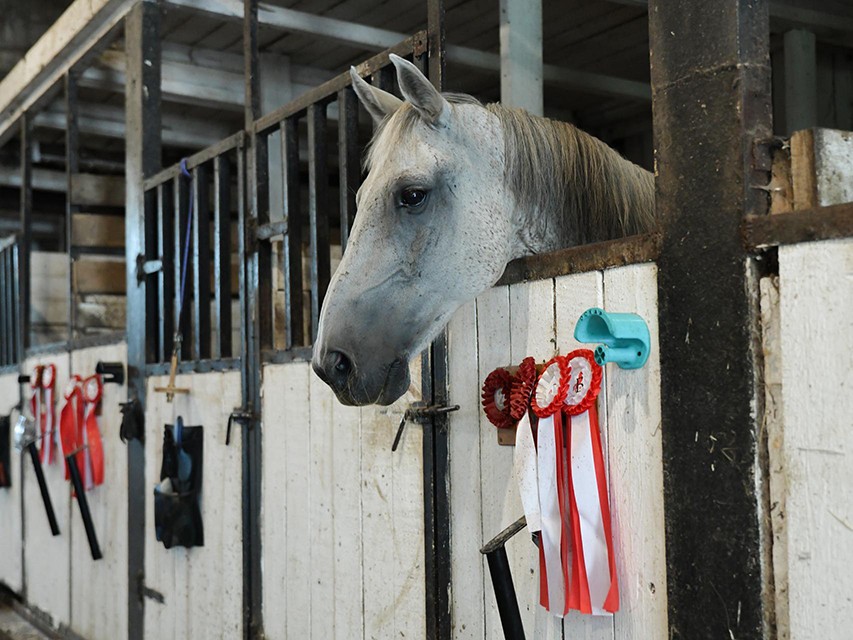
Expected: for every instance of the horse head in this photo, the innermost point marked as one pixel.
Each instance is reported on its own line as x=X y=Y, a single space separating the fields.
x=433 y=231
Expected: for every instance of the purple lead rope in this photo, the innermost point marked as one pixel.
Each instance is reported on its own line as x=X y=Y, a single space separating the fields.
x=185 y=172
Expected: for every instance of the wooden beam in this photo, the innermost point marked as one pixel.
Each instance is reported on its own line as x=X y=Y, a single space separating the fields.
x=28 y=85
x=521 y=55
x=375 y=39
x=88 y=189
x=800 y=80
x=809 y=225
x=40 y=179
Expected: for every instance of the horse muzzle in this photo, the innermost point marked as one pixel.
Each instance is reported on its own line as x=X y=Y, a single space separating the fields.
x=356 y=385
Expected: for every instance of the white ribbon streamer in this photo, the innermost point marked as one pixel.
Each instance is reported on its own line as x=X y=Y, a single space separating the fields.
x=550 y=513
x=585 y=486
x=525 y=473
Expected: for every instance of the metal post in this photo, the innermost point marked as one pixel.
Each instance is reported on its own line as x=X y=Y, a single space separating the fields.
x=25 y=243
x=256 y=300
x=293 y=312
x=318 y=214
x=142 y=159
x=72 y=166
x=711 y=93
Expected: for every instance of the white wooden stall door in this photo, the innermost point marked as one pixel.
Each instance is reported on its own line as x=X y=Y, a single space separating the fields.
x=99 y=588
x=202 y=587
x=537 y=319
x=11 y=568
x=343 y=537
x=814 y=453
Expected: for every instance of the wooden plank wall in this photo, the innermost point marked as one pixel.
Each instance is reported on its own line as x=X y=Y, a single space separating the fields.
x=99 y=589
x=202 y=587
x=11 y=538
x=342 y=521
x=501 y=327
x=811 y=440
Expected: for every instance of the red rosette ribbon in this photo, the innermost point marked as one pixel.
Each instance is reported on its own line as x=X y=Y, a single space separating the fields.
x=93 y=454
x=551 y=388
x=522 y=388
x=496 y=398
x=584 y=382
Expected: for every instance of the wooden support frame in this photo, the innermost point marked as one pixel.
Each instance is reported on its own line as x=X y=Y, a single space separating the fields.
x=715 y=510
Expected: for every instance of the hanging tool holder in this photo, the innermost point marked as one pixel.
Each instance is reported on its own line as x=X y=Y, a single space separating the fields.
x=177 y=505
x=5 y=448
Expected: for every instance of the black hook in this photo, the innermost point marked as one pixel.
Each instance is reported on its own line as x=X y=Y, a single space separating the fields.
x=112 y=372
x=24 y=379
x=241 y=416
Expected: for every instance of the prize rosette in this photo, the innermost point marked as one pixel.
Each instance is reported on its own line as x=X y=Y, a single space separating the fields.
x=93 y=454
x=593 y=587
x=496 y=398
x=524 y=459
x=71 y=423
x=523 y=385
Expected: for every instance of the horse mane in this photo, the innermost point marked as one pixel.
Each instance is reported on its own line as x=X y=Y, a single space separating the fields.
x=570 y=183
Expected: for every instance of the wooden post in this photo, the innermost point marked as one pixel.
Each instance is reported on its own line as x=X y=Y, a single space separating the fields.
x=800 y=81
x=521 y=54
x=142 y=159
x=711 y=96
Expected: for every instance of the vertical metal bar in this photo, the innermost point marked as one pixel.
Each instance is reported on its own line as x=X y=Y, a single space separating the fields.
x=201 y=262
x=152 y=289
x=142 y=159
x=348 y=159
x=318 y=214
x=72 y=166
x=435 y=443
x=800 y=52
x=4 y=318
x=711 y=95
x=165 y=277
x=222 y=254
x=26 y=239
x=241 y=269
x=257 y=317
x=15 y=305
x=182 y=316
x=293 y=287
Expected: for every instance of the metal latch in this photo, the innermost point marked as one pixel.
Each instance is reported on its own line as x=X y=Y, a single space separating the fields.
x=420 y=413
x=147 y=267
x=241 y=416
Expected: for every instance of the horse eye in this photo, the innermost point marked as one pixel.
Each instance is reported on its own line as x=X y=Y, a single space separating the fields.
x=413 y=197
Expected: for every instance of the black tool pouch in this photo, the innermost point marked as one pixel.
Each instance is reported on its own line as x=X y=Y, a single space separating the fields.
x=177 y=504
x=5 y=448
x=132 y=421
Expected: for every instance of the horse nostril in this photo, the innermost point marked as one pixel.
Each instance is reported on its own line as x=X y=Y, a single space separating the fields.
x=342 y=364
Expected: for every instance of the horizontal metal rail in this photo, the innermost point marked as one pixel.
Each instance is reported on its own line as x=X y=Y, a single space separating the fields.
x=235 y=141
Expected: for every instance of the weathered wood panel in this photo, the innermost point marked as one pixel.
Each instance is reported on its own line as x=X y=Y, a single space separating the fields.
x=11 y=538
x=99 y=589
x=816 y=311
x=93 y=230
x=503 y=326
x=342 y=515
x=201 y=587
x=46 y=564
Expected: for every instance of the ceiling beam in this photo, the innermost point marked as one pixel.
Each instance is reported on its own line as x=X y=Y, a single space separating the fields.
x=373 y=38
x=29 y=84
x=43 y=179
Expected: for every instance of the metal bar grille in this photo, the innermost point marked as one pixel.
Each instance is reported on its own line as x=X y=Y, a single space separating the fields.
x=318 y=214
x=293 y=315
x=165 y=279
x=201 y=263
x=222 y=255
x=348 y=159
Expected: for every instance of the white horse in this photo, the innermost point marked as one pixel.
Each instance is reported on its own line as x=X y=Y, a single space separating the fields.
x=455 y=190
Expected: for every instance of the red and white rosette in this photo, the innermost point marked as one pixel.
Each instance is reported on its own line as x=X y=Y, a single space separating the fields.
x=593 y=588
x=547 y=403
x=524 y=461
x=71 y=423
x=50 y=440
x=93 y=454
x=496 y=398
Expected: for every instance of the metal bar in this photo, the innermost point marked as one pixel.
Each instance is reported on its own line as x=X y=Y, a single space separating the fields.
x=142 y=159
x=83 y=503
x=318 y=216
x=205 y=155
x=222 y=254
x=800 y=78
x=327 y=91
x=293 y=287
x=165 y=277
x=349 y=168
x=201 y=262
x=45 y=494
x=152 y=294
x=193 y=366
x=5 y=333
x=182 y=316
x=15 y=304
x=26 y=239
x=257 y=316
x=72 y=166
x=711 y=91
x=588 y=257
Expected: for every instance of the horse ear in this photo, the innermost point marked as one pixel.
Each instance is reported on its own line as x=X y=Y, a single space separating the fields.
x=379 y=104
x=424 y=97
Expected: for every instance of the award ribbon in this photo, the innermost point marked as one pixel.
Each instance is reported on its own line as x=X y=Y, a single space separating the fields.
x=93 y=454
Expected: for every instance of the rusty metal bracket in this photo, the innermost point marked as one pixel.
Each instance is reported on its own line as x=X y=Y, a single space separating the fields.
x=242 y=416
x=420 y=413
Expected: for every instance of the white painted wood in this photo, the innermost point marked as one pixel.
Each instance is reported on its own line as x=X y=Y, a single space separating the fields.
x=521 y=55
x=46 y=564
x=816 y=292
x=11 y=523
x=636 y=465
x=202 y=586
x=342 y=515
x=99 y=589
x=468 y=571
x=574 y=295
x=532 y=333
x=833 y=154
